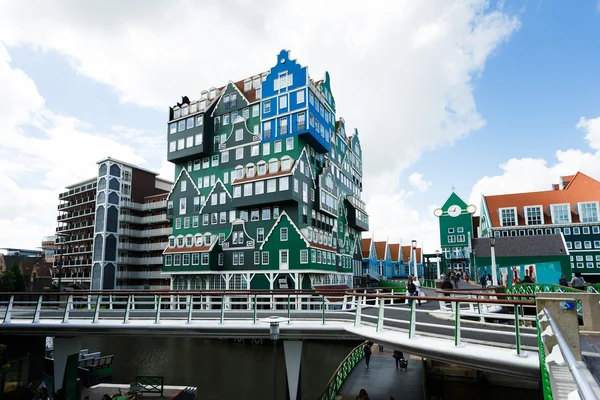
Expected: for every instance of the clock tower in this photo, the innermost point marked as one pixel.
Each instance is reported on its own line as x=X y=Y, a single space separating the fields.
x=456 y=231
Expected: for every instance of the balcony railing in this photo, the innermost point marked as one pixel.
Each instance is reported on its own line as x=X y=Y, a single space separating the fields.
x=75 y=214
x=141 y=275
x=76 y=226
x=144 y=206
x=140 y=260
x=143 y=246
x=131 y=218
x=154 y=219
x=74 y=203
x=91 y=186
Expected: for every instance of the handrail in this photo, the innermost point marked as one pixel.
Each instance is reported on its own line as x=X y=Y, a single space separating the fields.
x=583 y=386
x=468 y=292
x=333 y=385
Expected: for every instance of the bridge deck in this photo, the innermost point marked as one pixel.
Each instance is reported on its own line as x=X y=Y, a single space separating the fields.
x=382 y=380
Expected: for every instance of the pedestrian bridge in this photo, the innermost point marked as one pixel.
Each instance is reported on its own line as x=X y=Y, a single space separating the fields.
x=469 y=329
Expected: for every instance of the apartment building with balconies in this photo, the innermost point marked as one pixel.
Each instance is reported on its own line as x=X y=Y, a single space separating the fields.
x=112 y=229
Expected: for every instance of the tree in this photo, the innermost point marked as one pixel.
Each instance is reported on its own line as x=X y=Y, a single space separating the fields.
x=7 y=281
x=19 y=279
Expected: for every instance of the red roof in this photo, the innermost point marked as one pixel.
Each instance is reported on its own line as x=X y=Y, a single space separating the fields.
x=581 y=188
x=366 y=247
x=380 y=250
x=406 y=254
x=394 y=251
x=186 y=249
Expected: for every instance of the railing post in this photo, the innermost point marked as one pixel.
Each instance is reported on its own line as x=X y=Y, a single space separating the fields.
x=97 y=310
x=380 y=316
x=411 y=326
x=517 y=330
x=9 y=309
x=190 y=306
x=358 y=312
x=110 y=302
x=289 y=310
x=254 y=322
x=457 y=324
x=344 y=301
x=222 y=308
x=323 y=308
x=38 y=308
x=126 y=317
x=67 y=308
x=157 y=303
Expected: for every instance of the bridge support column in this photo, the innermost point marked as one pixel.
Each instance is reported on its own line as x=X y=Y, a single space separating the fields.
x=65 y=348
x=293 y=357
x=565 y=318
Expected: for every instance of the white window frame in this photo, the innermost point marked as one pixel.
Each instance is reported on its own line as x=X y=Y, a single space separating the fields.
x=588 y=202
x=526 y=214
x=554 y=216
x=514 y=209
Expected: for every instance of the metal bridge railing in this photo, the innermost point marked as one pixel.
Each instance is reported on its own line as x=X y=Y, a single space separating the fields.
x=383 y=311
x=584 y=389
x=342 y=372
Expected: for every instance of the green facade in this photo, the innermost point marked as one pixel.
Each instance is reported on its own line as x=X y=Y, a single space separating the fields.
x=456 y=231
x=259 y=194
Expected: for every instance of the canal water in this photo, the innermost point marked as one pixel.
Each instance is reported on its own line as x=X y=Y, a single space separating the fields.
x=219 y=369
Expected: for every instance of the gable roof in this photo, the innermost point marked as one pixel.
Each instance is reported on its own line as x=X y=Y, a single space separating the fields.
x=406 y=250
x=521 y=246
x=580 y=188
x=380 y=250
x=366 y=247
x=454 y=199
x=394 y=251
x=188 y=177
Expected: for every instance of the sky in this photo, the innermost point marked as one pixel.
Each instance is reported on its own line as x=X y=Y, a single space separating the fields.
x=486 y=97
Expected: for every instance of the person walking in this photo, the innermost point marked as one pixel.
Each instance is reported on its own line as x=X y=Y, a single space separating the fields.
x=563 y=281
x=398 y=356
x=578 y=282
x=483 y=281
x=367 y=349
x=418 y=288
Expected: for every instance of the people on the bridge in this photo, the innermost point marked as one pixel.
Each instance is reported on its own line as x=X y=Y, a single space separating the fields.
x=483 y=281
x=362 y=395
x=367 y=349
x=456 y=280
x=563 y=281
x=527 y=278
x=418 y=286
x=398 y=356
x=578 y=282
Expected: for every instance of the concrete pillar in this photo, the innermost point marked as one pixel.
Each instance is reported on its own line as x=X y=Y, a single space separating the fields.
x=566 y=320
x=63 y=348
x=293 y=358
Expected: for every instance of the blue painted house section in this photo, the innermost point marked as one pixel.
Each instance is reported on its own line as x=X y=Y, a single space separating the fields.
x=382 y=260
x=291 y=107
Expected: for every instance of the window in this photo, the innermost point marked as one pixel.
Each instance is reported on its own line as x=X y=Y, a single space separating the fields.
x=224 y=157
x=267 y=106
x=303 y=256
x=284 y=183
x=199 y=120
x=172 y=128
x=255 y=110
x=195 y=258
x=259 y=187
x=239 y=153
x=172 y=146
x=597 y=244
x=181 y=126
x=177 y=259
x=246 y=113
x=248 y=189
x=206 y=162
x=190 y=123
x=217 y=124
x=588 y=212
x=265 y=257
x=266 y=149
x=560 y=213
x=214 y=199
x=204 y=258
x=225 y=119
x=168 y=260
x=237 y=191
x=198 y=240
x=460 y=229
x=283 y=234
x=254 y=215
x=256 y=257
x=213 y=218
x=205 y=219
x=223 y=217
x=586 y=230
x=277 y=146
x=260 y=235
x=282 y=101
x=271 y=185
x=534 y=215
x=239 y=135
x=300 y=97
x=273 y=166
x=186 y=225
x=262 y=168
x=186 y=259
x=283 y=126
x=296 y=186
x=451 y=239
x=182 y=206
x=450 y=230
x=289 y=143
x=266 y=213
x=460 y=238
x=567 y=231
x=577 y=245
x=183 y=186
x=235 y=258
x=508 y=217
x=222 y=198
x=587 y=244
x=596 y=229
x=221 y=258
x=576 y=230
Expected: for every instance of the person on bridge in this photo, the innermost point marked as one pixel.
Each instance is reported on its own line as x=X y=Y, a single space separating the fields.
x=563 y=281
x=578 y=282
x=367 y=349
x=483 y=281
x=398 y=356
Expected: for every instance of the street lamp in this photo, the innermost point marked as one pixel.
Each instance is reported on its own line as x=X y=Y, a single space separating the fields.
x=437 y=254
x=60 y=263
x=493 y=254
x=274 y=322
x=414 y=257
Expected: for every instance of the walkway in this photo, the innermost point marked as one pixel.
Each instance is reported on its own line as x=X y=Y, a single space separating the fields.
x=382 y=380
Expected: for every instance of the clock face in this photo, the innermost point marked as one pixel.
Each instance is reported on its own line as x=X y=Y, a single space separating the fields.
x=454 y=211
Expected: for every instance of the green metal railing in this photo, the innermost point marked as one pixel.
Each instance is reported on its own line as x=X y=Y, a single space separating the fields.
x=532 y=288
x=546 y=387
x=428 y=283
x=342 y=372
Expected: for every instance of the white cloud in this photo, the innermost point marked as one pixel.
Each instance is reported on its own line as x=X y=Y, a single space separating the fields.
x=530 y=175
x=416 y=179
x=398 y=68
